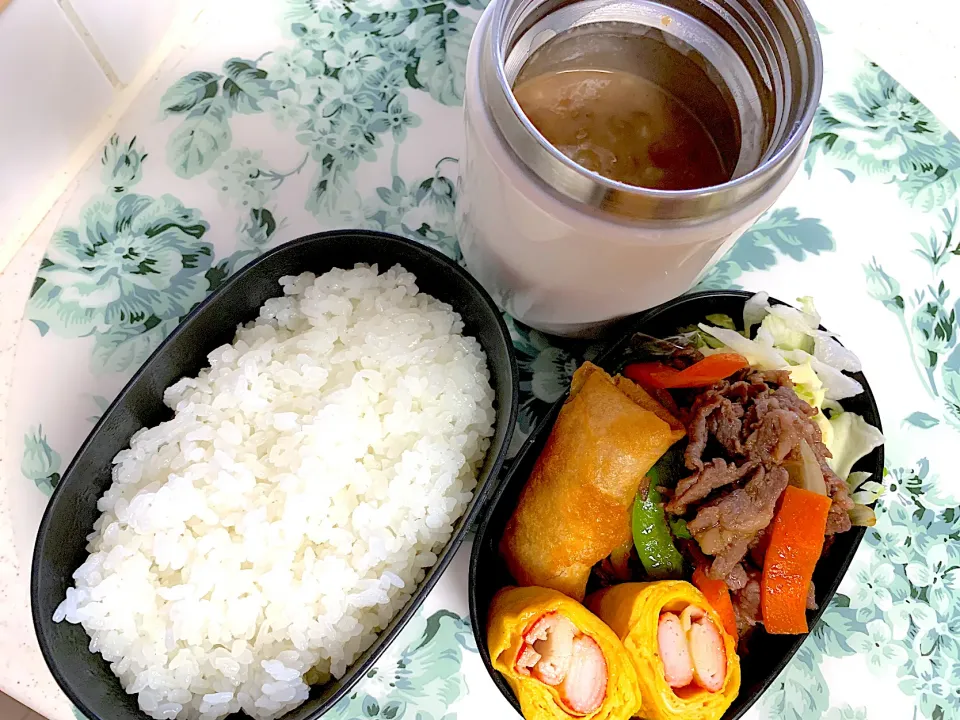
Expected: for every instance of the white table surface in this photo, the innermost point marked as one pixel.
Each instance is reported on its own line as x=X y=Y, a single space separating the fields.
x=918 y=43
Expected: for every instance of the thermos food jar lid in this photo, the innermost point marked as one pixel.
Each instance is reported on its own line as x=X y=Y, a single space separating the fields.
x=752 y=70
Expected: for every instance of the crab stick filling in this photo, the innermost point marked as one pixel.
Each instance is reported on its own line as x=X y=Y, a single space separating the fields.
x=556 y=653
x=691 y=649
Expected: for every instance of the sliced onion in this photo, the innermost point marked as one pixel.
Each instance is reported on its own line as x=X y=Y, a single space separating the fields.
x=862 y=515
x=805 y=472
x=854 y=479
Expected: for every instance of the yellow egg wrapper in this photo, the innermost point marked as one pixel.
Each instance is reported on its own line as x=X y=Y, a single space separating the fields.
x=514 y=612
x=632 y=611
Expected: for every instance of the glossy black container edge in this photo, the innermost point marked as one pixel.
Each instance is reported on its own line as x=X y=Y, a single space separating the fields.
x=60 y=548
x=769 y=654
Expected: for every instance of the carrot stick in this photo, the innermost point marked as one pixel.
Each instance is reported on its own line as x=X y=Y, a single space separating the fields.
x=718 y=595
x=643 y=373
x=708 y=371
x=796 y=541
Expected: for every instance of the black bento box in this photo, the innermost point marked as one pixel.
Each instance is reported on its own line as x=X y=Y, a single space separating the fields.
x=768 y=654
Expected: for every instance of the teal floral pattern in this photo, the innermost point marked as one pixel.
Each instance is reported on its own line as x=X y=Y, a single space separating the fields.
x=340 y=88
x=418 y=677
x=136 y=264
x=133 y=265
x=352 y=120
x=421 y=209
x=928 y=319
x=40 y=462
x=780 y=232
x=882 y=131
x=121 y=164
x=903 y=615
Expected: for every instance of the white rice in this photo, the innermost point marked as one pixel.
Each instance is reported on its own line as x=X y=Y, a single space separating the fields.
x=257 y=542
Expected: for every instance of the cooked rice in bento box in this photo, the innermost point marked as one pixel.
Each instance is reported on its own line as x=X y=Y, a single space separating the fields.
x=257 y=542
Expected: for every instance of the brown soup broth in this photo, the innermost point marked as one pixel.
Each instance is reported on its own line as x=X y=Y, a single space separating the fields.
x=623 y=127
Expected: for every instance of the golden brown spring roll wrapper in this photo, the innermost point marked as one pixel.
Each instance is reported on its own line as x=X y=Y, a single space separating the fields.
x=632 y=611
x=514 y=611
x=575 y=508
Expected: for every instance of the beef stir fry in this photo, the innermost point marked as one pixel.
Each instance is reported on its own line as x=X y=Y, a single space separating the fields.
x=751 y=498
x=745 y=435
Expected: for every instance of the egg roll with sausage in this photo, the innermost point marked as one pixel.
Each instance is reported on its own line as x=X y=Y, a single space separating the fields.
x=560 y=660
x=575 y=508
x=687 y=664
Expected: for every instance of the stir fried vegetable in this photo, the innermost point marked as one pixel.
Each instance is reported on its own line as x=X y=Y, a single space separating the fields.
x=648 y=374
x=805 y=472
x=863 y=516
x=708 y=371
x=796 y=541
x=651 y=535
x=791 y=339
x=853 y=437
x=718 y=595
x=658 y=554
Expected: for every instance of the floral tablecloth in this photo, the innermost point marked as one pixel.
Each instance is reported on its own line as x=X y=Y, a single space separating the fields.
x=322 y=114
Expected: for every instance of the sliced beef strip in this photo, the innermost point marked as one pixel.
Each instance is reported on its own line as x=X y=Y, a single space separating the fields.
x=758 y=548
x=737 y=578
x=715 y=474
x=684 y=356
x=746 y=603
x=788 y=398
x=780 y=378
x=725 y=425
x=759 y=420
x=811 y=597
x=731 y=410
x=838 y=519
x=725 y=527
x=777 y=433
x=704 y=406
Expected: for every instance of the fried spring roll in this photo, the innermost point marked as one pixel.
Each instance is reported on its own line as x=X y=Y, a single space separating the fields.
x=575 y=508
x=560 y=660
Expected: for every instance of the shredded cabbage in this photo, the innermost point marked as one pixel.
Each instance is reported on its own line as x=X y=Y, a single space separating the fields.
x=853 y=438
x=721 y=320
x=809 y=311
x=829 y=351
x=758 y=353
x=790 y=338
x=789 y=329
x=862 y=516
x=836 y=385
x=809 y=388
x=755 y=309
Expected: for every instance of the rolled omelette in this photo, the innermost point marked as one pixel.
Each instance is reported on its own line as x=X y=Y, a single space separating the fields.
x=514 y=612
x=632 y=611
x=575 y=508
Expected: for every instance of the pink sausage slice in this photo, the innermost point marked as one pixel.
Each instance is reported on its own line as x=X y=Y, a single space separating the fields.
x=674 y=653
x=585 y=685
x=555 y=649
x=708 y=655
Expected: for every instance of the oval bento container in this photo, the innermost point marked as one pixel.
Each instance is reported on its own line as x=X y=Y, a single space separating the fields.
x=60 y=548
x=768 y=654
